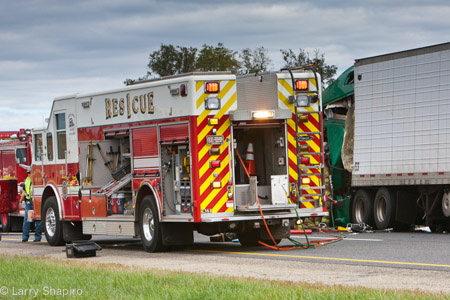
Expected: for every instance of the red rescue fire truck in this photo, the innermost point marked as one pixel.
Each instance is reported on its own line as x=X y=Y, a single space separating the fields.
x=162 y=158
x=15 y=158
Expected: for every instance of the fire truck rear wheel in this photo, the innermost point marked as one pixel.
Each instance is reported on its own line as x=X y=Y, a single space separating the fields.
x=362 y=207
x=51 y=222
x=384 y=209
x=149 y=225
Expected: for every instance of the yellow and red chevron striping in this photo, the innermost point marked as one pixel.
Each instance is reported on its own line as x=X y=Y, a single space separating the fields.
x=311 y=125
x=213 y=200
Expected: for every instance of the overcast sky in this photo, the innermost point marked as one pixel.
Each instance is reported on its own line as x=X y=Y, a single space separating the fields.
x=50 y=48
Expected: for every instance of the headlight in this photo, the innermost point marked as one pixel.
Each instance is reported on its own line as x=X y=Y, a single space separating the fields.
x=302 y=100
x=212 y=103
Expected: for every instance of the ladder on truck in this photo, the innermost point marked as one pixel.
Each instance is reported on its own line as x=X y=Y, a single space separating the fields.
x=113 y=186
x=314 y=192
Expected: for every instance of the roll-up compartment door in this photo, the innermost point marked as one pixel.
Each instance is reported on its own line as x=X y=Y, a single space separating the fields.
x=177 y=133
x=145 y=150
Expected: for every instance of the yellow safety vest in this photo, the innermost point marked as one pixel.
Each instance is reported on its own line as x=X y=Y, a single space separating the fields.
x=28 y=188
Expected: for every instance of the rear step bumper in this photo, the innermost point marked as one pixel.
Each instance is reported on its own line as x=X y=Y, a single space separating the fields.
x=255 y=208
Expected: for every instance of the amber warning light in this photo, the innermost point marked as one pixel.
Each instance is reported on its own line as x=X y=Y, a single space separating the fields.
x=212 y=87
x=301 y=85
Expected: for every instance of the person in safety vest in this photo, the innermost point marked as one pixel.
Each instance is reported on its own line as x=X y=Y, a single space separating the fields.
x=26 y=197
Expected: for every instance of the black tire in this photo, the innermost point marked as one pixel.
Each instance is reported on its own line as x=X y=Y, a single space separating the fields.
x=5 y=220
x=446 y=204
x=248 y=238
x=149 y=226
x=51 y=223
x=362 y=207
x=384 y=209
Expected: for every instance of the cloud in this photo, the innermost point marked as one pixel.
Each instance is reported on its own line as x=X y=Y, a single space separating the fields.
x=52 y=48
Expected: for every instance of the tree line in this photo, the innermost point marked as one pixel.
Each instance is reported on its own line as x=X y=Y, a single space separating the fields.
x=173 y=60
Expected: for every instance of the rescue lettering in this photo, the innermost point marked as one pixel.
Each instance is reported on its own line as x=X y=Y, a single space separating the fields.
x=138 y=104
x=115 y=112
x=135 y=108
x=122 y=106
x=108 y=108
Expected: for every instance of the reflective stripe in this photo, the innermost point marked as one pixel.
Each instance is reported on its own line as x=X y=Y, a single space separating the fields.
x=28 y=188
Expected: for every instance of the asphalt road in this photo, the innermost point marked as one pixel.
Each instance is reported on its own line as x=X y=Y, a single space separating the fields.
x=391 y=260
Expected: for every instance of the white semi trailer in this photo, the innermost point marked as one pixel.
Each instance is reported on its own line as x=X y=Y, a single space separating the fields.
x=397 y=137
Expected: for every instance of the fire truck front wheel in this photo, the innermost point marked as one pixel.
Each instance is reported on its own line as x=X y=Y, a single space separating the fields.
x=149 y=226
x=52 y=224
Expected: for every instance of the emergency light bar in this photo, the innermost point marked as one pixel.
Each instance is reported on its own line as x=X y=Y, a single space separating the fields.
x=212 y=87
x=6 y=135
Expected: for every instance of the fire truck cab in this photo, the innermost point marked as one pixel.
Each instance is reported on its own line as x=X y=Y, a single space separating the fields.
x=204 y=152
x=15 y=158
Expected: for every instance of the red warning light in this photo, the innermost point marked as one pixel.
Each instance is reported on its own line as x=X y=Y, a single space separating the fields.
x=212 y=87
x=214 y=164
x=301 y=85
x=304 y=160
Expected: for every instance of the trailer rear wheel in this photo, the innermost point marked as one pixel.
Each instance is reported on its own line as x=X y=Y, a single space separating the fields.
x=384 y=209
x=362 y=208
x=149 y=226
x=52 y=223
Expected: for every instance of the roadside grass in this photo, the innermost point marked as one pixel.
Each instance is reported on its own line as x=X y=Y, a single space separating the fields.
x=82 y=279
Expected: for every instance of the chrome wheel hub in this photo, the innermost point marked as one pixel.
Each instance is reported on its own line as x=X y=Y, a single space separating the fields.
x=148 y=224
x=50 y=222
